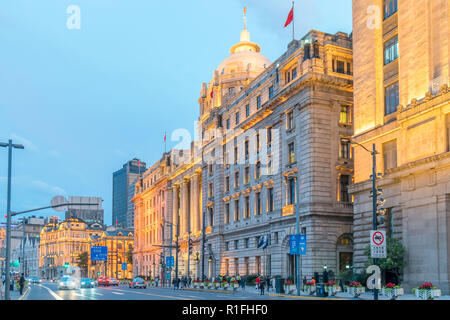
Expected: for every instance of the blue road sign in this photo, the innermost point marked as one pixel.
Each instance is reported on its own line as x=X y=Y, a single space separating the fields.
x=124 y=266
x=99 y=253
x=170 y=261
x=297 y=244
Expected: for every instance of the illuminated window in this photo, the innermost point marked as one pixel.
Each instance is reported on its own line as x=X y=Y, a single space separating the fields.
x=390 y=7
x=291 y=152
x=391 y=50
x=344 y=116
x=391 y=98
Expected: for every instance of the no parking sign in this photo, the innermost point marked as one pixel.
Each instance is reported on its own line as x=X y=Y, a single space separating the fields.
x=378 y=244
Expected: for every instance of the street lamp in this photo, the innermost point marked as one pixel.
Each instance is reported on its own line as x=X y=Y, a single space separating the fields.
x=374 y=193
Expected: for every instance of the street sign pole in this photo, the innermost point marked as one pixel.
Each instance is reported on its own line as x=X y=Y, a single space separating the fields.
x=374 y=205
x=297 y=217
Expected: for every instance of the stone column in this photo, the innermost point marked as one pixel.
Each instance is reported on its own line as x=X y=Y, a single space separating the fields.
x=195 y=197
x=192 y=204
x=175 y=219
x=184 y=208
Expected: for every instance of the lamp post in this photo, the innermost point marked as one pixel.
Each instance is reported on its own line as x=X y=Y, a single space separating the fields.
x=374 y=194
x=10 y=147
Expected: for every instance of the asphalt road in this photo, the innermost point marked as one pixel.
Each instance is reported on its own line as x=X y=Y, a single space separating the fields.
x=50 y=291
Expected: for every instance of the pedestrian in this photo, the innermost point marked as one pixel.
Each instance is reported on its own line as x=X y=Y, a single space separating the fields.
x=261 y=285
x=257 y=282
x=156 y=281
x=21 y=283
x=243 y=283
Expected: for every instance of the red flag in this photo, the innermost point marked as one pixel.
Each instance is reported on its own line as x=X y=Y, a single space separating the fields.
x=139 y=163
x=117 y=222
x=212 y=93
x=290 y=17
x=164 y=137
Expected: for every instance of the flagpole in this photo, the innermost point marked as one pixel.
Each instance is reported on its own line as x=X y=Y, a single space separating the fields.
x=293 y=21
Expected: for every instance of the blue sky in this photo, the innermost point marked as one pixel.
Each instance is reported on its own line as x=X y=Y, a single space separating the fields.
x=84 y=101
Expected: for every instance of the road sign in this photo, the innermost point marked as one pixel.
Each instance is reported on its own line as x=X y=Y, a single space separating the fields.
x=170 y=261
x=124 y=266
x=378 y=244
x=99 y=253
x=297 y=244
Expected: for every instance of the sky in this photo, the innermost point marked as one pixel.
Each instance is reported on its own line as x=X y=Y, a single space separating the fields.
x=86 y=95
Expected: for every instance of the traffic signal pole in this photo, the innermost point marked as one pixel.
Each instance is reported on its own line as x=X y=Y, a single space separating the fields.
x=374 y=206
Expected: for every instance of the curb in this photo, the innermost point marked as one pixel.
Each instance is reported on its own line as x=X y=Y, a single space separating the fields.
x=24 y=294
x=303 y=297
x=204 y=290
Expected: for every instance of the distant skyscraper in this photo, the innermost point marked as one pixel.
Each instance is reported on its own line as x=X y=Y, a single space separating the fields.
x=123 y=211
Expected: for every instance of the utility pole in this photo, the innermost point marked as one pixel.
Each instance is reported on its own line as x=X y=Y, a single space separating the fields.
x=10 y=146
x=297 y=218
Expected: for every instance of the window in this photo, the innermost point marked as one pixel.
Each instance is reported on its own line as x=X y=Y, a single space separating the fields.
x=294 y=72
x=247 y=110
x=258 y=204
x=291 y=151
x=289 y=120
x=247 y=207
x=235 y=155
x=270 y=92
x=291 y=191
x=227 y=213
x=246 y=241
x=246 y=147
x=275 y=236
x=211 y=169
x=340 y=66
x=391 y=50
x=390 y=7
x=210 y=190
x=349 y=68
x=236 y=179
x=227 y=246
x=236 y=210
x=270 y=199
x=257 y=142
x=227 y=183
x=236 y=244
x=237 y=118
x=390 y=155
x=343 y=188
x=228 y=124
x=258 y=102
x=345 y=115
x=258 y=170
x=247 y=175
x=345 y=148
x=391 y=98
x=269 y=135
x=211 y=217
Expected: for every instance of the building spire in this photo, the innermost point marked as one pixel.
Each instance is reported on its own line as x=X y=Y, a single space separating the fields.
x=245 y=18
x=245 y=35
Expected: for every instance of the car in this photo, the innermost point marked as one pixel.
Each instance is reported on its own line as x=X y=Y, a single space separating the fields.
x=87 y=283
x=114 y=282
x=137 y=283
x=103 y=281
x=95 y=282
x=35 y=280
x=67 y=282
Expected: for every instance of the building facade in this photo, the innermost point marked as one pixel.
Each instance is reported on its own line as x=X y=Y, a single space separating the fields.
x=274 y=138
x=122 y=212
x=91 y=214
x=402 y=106
x=61 y=243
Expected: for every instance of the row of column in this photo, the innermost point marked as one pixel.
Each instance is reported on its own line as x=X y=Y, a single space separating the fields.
x=187 y=205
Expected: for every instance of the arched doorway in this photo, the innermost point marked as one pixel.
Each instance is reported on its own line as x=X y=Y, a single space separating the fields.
x=344 y=252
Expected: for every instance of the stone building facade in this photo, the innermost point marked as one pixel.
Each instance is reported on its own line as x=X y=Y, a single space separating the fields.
x=402 y=105
x=274 y=138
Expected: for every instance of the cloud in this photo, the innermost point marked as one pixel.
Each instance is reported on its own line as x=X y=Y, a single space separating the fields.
x=45 y=187
x=26 y=143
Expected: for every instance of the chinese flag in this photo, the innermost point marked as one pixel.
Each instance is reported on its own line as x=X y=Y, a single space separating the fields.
x=212 y=93
x=164 y=137
x=290 y=17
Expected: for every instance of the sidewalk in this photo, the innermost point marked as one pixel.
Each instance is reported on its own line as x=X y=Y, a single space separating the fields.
x=15 y=295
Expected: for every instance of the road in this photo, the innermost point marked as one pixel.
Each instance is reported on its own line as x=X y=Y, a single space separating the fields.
x=50 y=291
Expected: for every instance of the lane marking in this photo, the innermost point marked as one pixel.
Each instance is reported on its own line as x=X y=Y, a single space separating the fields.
x=118 y=293
x=156 y=295
x=52 y=293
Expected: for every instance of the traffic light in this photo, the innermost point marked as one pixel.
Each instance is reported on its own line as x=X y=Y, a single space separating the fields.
x=381 y=212
x=191 y=243
x=66 y=265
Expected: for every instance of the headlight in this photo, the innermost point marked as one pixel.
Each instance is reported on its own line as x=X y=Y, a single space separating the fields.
x=61 y=283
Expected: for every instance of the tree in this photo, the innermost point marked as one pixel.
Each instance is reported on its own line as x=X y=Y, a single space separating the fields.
x=395 y=260
x=83 y=262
